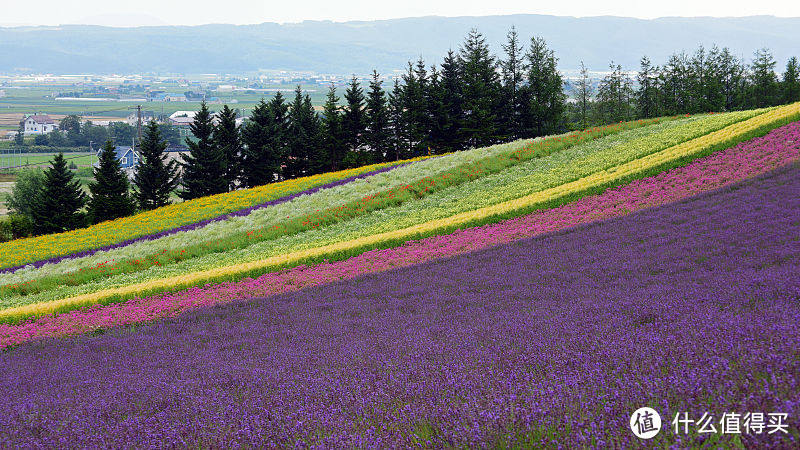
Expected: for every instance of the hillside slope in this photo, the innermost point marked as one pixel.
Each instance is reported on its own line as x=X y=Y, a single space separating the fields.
x=545 y=341
x=384 y=209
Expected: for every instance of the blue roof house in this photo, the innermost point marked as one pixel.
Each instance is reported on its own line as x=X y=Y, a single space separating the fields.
x=128 y=159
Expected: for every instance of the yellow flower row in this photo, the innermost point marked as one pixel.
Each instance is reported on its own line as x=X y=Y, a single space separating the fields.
x=724 y=136
x=22 y=251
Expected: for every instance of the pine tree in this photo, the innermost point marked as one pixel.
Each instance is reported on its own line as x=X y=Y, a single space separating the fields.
x=546 y=87
x=204 y=171
x=57 y=207
x=646 y=95
x=513 y=70
x=675 y=97
x=791 y=81
x=732 y=76
x=354 y=120
x=583 y=95
x=480 y=91
x=451 y=87
x=614 y=96
x=304 y=130
x=227 y=138
x=332 y=134
x=110 y=192
x=396 y=121
x=712 y=92
x=261 y=159
x=280 y=126
x=415 y=109
x=764 y=89
x=155 y=177
x=437 y=114
x=377 y=120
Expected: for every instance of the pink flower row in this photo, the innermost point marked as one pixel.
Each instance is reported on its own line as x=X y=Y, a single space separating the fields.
x=778 y=148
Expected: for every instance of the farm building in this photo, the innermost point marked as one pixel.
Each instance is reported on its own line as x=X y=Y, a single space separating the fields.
x=174 y=153
x=39 y=124
x=147 y=116
x=174 y=98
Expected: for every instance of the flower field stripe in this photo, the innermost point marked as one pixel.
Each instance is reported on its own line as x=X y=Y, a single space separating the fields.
x=685 y=151
x=22 y=251
x=205 y=222
x=271 y=224
x=543 y=343
x=117 y=282
x=751 y=158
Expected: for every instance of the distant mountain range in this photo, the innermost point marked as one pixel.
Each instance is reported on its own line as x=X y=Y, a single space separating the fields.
x=358 y=47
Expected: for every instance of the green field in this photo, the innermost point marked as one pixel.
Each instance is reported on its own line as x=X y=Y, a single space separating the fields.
x=16 y=160
x=30 y=99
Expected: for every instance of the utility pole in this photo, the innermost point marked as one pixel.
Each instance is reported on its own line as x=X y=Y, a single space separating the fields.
x=138 y=120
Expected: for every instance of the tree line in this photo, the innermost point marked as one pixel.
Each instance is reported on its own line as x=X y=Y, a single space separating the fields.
x=53 y=201
x=472 y=99
x=712 y=80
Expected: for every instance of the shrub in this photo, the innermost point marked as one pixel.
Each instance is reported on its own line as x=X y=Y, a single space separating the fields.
x=15 y=226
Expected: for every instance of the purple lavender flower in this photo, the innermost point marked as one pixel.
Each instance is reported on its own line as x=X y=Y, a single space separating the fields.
x=550 y=341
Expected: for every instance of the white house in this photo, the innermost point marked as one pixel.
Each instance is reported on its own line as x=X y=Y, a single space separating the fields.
x=39 y=124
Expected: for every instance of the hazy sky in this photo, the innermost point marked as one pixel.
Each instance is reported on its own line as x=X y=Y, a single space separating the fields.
x=195 y=12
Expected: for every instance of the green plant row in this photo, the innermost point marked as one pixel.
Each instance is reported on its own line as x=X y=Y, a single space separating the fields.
x=309 y=211
x=517 y=181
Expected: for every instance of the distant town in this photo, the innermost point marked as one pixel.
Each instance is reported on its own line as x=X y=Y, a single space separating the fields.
x=102 y=99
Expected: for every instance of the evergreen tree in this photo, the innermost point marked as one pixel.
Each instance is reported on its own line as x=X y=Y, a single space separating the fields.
x=614 y=96
x=332 y=135
x=436 y=112
x=546 y=87
x=280 y=124
x=713 y=81
x=377 y=120
x=261 y=158
x=732 y=76
x=354 y=120
x=513 y=70
x=764 y=89
x=110 y=192
x=791 y=81
x=480 y=91
x=57 y=207
x=646 y=95
x=415 y=110
x=583 y=95
x=396 y=121
x=204 y=170
x=156 y=177
x=704 y=82
x=673 y=80
x=451 y=88
x=304 y=129
x=227 y=138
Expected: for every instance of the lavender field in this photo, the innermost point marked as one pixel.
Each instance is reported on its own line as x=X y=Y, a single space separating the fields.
x=551 y=341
